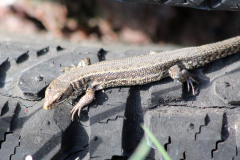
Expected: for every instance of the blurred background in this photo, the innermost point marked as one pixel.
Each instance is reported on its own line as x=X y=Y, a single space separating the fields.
x=111 y=21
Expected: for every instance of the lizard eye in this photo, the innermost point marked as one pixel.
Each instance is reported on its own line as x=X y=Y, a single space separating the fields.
x=62 y=98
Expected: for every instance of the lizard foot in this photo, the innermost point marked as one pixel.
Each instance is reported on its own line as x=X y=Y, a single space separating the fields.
x=183 y=75
x=84 y=62
x=85 y=100
x=190 y=80
x=66 y=69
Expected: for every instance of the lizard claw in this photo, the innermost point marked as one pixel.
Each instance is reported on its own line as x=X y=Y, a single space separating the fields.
x=74 y=110
x=191 y=78
x=85 y=100
x=84 y=62
x=182 y=75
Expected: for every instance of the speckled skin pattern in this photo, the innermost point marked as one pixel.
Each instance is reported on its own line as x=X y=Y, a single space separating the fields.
x=151 y=67
x=136 y=70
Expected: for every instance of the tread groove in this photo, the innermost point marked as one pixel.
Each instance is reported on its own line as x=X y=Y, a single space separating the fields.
x=4 y=109
x=23 y=57
x=59 y=48
x=14 y=121
x=42 y=51
x=4 y=67
x=101 y=55
x=206 y=122
x=166 y=144
x=224 y=134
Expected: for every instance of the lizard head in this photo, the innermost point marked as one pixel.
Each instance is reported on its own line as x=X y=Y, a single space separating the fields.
x=56 y=93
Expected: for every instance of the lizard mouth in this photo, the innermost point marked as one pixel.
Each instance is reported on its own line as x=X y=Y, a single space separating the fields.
x=47 y=106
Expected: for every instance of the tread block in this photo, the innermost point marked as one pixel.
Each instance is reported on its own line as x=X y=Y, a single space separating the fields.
x=227 y=88
x=18 y=52
x=159 y=93
x=106 y=123
x=228 y=145
x=8 y=146
x=201 y=134
x=8 y=113
x=34 y=80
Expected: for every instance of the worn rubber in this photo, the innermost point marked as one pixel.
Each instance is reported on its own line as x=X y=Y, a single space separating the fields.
x=205 y=126
x=231 y=5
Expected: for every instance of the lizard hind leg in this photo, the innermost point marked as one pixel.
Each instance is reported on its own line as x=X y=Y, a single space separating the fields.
x=183 y=75
x=85 y=100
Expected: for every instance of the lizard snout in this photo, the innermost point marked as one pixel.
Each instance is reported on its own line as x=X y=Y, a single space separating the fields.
x=47 y=105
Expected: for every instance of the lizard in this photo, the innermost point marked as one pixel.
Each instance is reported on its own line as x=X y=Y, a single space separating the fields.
x=137 y=70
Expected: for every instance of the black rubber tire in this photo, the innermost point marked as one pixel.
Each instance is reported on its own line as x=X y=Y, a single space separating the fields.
x=231 y=5
x=205 y=126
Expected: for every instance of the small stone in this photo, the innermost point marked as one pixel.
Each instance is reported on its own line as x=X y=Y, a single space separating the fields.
x=28 y=157
x=39 y=78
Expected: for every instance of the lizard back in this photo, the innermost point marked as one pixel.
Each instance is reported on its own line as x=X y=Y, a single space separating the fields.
x=144 y=69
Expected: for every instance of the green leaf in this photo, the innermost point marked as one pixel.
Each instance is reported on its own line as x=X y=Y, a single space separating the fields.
x=156 y=143
x=142 y=150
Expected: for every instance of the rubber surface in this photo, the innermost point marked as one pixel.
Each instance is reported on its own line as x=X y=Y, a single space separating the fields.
x=205 y=126
x=232 y=5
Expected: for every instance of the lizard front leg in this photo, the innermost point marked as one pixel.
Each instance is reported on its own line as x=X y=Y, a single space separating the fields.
x=85 y=100
x=182 y=75
x=84 y=62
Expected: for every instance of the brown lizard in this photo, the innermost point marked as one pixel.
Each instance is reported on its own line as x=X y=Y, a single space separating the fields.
x=136 y=70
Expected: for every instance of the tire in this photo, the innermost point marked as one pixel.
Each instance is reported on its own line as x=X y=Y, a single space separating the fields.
x=205 y=126
x=199 y=4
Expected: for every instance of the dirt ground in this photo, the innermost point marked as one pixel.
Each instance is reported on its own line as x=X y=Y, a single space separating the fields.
x=111 y=21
